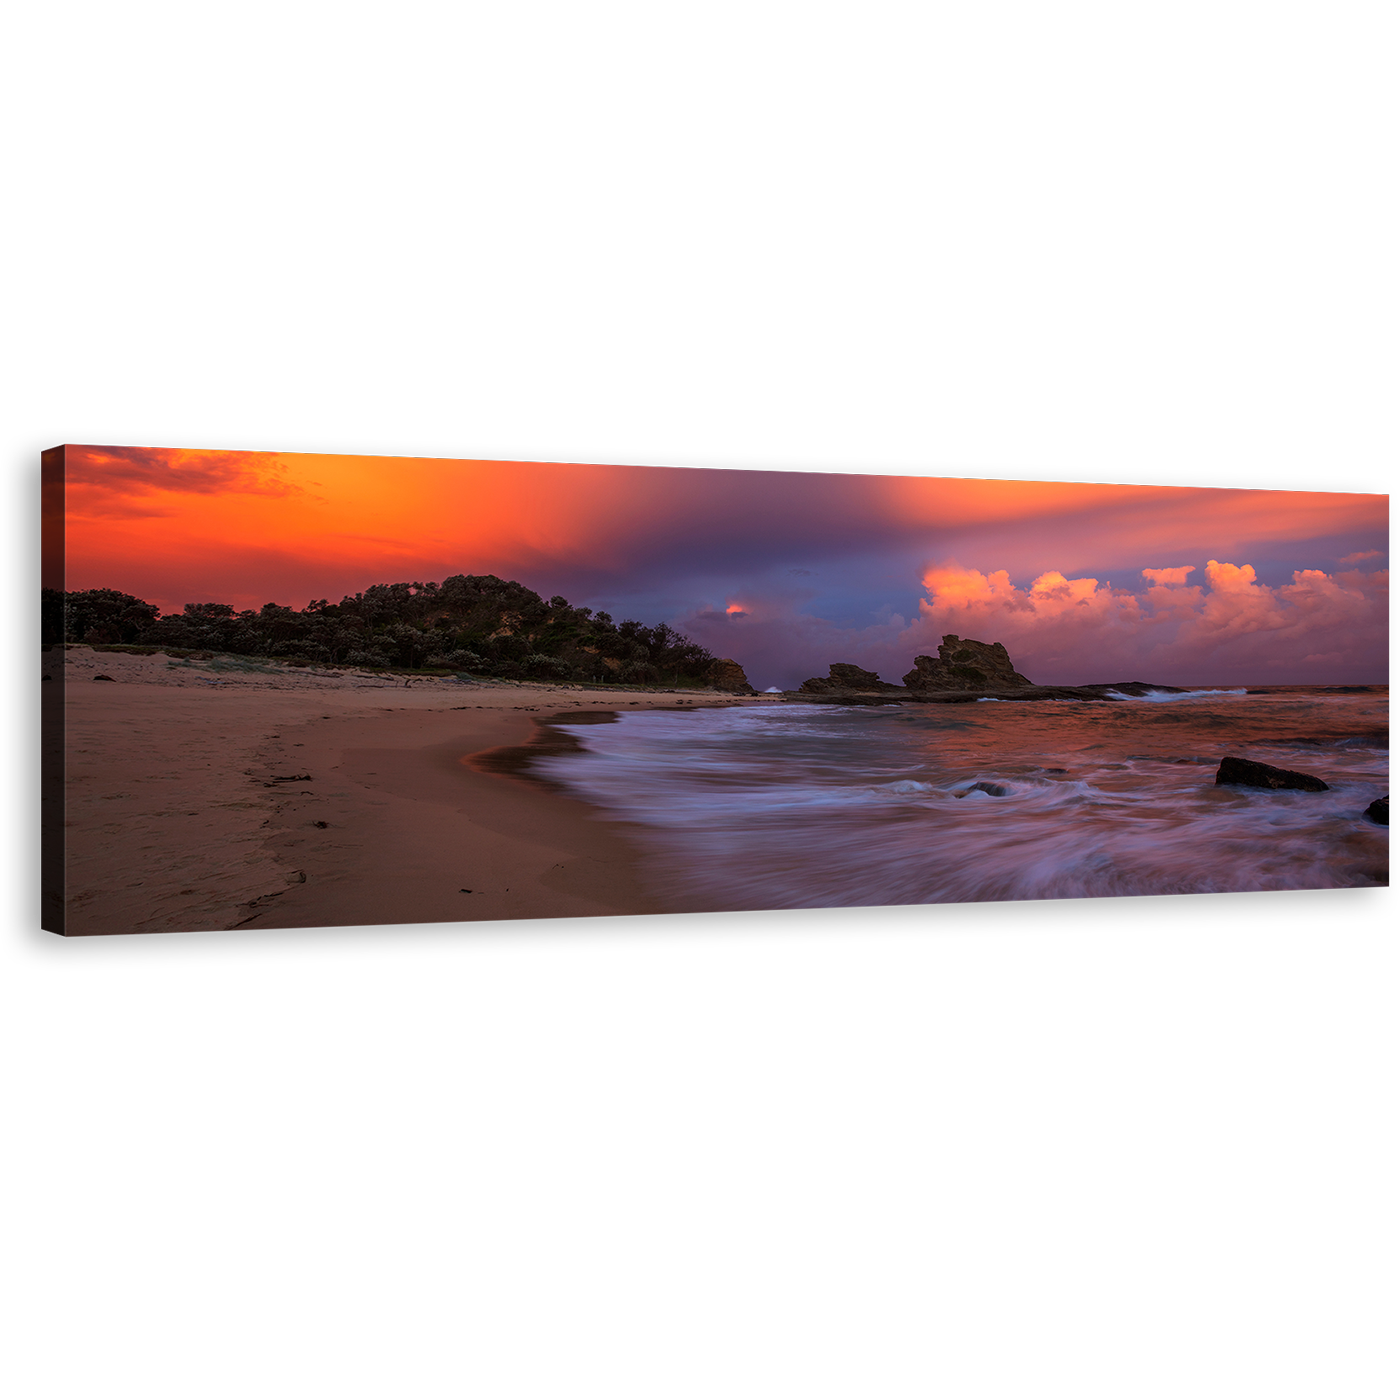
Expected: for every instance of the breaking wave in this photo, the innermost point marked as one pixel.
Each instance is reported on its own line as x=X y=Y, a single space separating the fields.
x=815 y=806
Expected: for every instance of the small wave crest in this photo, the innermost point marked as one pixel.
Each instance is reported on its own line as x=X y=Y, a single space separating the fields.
x=1158 y=696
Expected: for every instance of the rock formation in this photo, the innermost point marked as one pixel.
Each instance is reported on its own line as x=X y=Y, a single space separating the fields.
x=962 y=664
x=845 y=677
x=962 y=671
x=1379 y=811
x=991 y=789
x=1244 y=772
x=727 y=674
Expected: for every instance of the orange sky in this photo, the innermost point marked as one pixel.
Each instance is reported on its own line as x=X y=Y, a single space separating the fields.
x=177 y=526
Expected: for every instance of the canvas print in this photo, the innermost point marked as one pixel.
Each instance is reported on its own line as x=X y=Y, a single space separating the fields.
x=288 y=690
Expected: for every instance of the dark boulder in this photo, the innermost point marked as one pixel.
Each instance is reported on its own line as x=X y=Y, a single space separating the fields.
x=991 y=789
x=1140 y=688
x=1244 y=772
x=844 y=676
x=962 y=664
x=728 y=675
x=1379 y=811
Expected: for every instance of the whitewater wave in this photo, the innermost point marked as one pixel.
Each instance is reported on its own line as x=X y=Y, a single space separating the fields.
x=812 y=807
x=1157 y=696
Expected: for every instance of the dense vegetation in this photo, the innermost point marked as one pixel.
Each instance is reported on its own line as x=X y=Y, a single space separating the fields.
x=477 y=624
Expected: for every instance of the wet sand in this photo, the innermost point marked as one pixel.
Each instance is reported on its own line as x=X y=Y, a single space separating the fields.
x=201 y=798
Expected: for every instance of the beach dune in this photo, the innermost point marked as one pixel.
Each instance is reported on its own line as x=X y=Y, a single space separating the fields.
x=272 y=797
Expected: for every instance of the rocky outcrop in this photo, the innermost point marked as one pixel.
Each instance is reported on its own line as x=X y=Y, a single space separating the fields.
x=963 y=671
x=1136 y=688
x=1379 y=811
x=728 y=675
x=844 y=677
x=991 y=789
x=962 y=664
x=1243 y=772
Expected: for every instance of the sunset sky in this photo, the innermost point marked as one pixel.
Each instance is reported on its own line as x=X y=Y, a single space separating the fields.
x=784 y=571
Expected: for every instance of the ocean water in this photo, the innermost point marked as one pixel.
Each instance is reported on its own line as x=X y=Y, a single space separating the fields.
x=812 y=806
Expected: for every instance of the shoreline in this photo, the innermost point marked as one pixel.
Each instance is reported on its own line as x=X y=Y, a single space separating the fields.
x=215 y=798
x=272 y=800
x=431 y=819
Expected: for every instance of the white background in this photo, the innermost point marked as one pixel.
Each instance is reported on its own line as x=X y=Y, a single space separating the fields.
x=1155 y=1169
x=1159 y=231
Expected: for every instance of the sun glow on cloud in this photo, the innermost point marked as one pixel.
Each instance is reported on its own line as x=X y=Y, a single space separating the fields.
x=1166 y=577
x=1057 y=622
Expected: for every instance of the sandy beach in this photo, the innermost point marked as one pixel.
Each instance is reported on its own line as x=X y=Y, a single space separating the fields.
x=215 y=794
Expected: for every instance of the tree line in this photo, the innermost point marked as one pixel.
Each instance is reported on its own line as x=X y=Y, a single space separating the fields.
x=473 y=623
